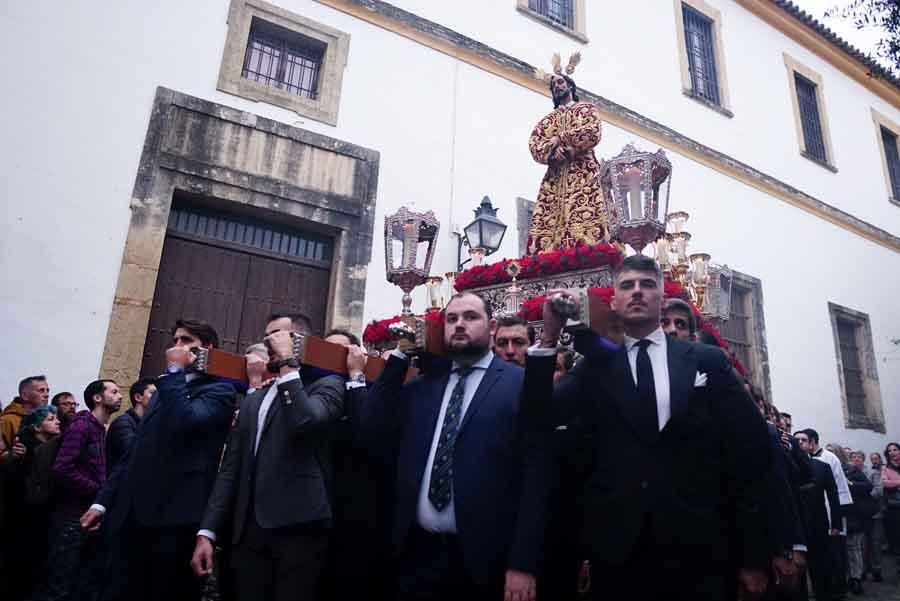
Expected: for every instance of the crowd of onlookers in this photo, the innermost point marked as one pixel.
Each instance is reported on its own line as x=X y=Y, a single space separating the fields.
x=144 y=504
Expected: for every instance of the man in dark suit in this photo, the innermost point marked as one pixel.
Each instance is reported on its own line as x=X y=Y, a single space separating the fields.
x=153 y=500
x=822 y=521
x=274 y=486
x=470 y=495
x=123 y=430
x=357 y=565
x=679 y=453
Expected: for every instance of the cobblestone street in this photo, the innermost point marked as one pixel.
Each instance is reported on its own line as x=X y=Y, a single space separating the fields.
x=889 y=590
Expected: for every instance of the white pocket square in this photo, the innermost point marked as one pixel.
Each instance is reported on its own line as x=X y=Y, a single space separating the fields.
x=700 y=380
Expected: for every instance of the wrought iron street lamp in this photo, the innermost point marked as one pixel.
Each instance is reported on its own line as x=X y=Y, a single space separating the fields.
x=483 y=236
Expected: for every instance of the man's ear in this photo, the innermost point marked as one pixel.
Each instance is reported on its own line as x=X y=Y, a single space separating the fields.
x=492 y=326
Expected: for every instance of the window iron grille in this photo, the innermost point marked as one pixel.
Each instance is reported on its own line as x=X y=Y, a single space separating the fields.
x=892 y=157
x=250 y=233
x=852 y=367
x=279 y=58
x=700 y=46
x=810 y=119
x=559 y=11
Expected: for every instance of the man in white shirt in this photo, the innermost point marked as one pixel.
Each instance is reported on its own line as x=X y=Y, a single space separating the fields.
x=273 y=490
x=680 y=451
x=471 y=489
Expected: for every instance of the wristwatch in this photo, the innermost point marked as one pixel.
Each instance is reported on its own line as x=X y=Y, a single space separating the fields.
x=276 y=365
x=359 y=378
x=789 y=555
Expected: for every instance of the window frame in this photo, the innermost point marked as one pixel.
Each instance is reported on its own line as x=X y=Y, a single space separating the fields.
x=325 y=106
x=794 y=68
x=882 y=121
x=758 y=368
x=873 y=418
x=576 y=32
x=714 y=16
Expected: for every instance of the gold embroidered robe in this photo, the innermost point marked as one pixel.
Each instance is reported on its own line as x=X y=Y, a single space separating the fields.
x=570 y=207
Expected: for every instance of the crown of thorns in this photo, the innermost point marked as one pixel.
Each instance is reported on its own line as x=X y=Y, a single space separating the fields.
x=556 y=61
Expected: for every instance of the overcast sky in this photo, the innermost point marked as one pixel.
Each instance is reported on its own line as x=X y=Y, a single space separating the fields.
x=864 y=39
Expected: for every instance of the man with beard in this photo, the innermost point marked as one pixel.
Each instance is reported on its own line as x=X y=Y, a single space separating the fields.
x=569 y=209
x=469 y=502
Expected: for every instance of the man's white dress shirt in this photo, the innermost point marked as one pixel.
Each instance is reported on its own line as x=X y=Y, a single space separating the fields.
x=427 y=516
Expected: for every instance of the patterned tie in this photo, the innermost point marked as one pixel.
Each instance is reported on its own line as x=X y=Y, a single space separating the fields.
x=646 y=388
x=440 y=486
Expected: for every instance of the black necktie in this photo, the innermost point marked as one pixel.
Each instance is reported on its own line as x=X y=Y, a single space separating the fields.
x=646 y=389
x=440 y=485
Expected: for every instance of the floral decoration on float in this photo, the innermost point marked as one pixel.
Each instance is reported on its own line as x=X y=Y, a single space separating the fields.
x=541 y=265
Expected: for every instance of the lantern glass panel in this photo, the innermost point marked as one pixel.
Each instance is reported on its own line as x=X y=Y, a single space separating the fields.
x=630 y=190
x=661 y=195
x=473 y=234
x=491 y=235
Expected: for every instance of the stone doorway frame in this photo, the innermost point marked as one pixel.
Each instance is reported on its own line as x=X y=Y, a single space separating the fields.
x=164 y=170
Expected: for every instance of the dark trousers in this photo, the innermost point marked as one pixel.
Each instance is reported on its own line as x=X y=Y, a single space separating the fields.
x=821 y=567
x=653 y=573
x=432 y=569
x=279 y=564
x=72 y=569
x=892 y=528
x=152 y=563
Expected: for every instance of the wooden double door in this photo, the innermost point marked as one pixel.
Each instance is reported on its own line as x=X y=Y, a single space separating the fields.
x=232 y=289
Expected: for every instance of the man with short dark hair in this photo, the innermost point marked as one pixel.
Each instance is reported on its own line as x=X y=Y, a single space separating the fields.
x=511 y=339
x=838 y=542
x=79 y=472
x=820 y=524
x=296 y=322
x=678 y=320
x=665 y=514
x=153 y=500
x=470 y=488
x=338 y=336
x=788 y=421
x=66 y=406
x=363 y=481
x=33 y=391
x=274 y=488
x=124 y=428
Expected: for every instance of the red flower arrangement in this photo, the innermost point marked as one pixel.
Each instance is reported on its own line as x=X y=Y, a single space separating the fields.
x=378 y=332
x=533 y=310
x=543 y=264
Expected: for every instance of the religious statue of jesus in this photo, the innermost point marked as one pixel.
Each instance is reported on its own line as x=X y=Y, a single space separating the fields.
x=570 y=207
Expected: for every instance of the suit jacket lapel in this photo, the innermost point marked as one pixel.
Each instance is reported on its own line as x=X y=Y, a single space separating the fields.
x=682 y=371
x=491 y=375
x=427 y=407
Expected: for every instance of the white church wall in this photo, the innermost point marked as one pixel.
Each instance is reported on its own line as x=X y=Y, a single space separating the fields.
x=77 y=107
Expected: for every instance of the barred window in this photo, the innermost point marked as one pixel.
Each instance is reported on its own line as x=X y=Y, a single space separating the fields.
x=851 y=366
x=810 y=119
x=737 y=330
x=559 y=11
x=280 y=58
x=700 y=46
x=892 y=158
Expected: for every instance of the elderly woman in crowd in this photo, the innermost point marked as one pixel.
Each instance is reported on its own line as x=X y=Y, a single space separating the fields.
x=859 y=517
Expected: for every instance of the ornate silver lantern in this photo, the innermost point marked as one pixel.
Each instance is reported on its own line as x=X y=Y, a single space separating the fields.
x=636 y=187
x=719 y=292
x=413 y=236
